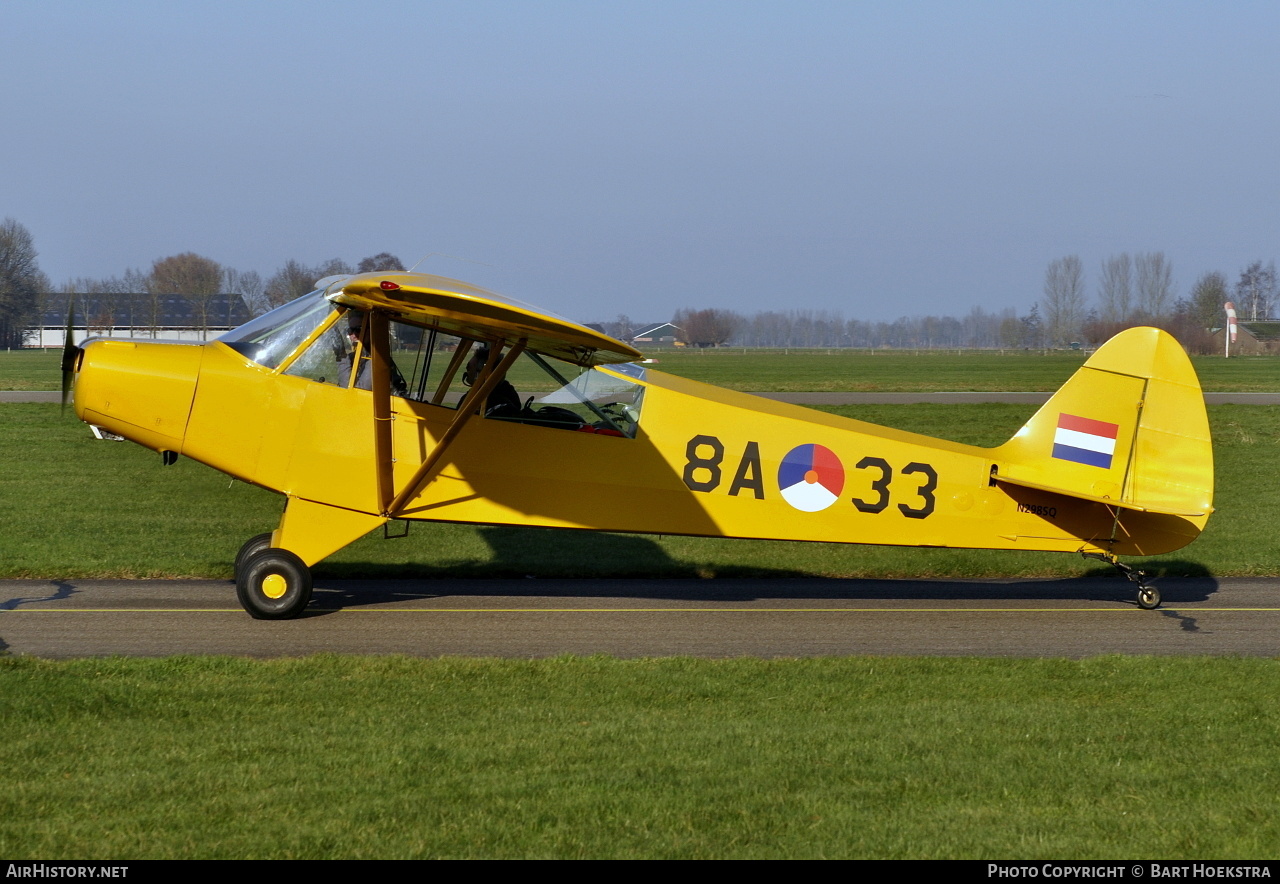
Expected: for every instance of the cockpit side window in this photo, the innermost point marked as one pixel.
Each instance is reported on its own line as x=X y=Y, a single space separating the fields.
x=432 y=362
x=588 y=401
x=439 y=368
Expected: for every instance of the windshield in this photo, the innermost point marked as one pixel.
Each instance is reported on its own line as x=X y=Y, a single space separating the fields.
x=271 y=337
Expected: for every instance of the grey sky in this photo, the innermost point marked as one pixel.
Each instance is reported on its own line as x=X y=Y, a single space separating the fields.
x=873 y=158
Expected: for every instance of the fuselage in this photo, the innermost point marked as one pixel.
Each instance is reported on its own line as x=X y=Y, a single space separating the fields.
x=703 y=461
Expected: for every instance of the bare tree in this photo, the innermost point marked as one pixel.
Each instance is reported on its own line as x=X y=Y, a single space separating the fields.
x=1034 y=330
x=103 y=320
x=380 y=261
x=769 y=329
x=293 y=280
x=249 y=286
x=193 y=276
x=22 y=284
x=1115 y=291
x=1155 y=284
x=707 y=328
x=122 y=301
x=620 y=328
x=186 y=274
x=1011 y=332
x=1256 y=290
x=1063 y=299
x=1205 y=308
x=134 y=281
x=333 y=267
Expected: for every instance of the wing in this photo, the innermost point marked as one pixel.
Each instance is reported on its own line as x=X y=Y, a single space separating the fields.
x=462 y=309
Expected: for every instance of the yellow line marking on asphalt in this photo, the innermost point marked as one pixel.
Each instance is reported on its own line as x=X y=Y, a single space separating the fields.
x=389 y=610
x=370 y=610
x=700 y=610
x=122 y=611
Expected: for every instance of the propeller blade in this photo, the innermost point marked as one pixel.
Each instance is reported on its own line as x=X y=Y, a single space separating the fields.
x=69 y=353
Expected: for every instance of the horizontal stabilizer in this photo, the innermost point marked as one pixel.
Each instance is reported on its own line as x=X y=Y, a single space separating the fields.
x=1122 y=504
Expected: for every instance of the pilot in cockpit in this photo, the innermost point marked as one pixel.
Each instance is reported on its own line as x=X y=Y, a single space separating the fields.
x=503 y=401
x=364 y=377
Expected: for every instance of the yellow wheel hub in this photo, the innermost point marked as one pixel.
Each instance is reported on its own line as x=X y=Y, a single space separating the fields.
x=274 y=586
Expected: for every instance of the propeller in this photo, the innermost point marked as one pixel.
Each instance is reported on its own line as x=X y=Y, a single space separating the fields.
x=69 y=354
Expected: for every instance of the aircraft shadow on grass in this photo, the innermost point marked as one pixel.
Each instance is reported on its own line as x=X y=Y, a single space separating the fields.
x=552 y=561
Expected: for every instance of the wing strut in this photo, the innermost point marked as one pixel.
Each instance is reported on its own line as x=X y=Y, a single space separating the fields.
x=379 y=338
x=477 y=395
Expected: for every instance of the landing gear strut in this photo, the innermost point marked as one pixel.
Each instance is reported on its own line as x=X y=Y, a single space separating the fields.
x=1148 y=595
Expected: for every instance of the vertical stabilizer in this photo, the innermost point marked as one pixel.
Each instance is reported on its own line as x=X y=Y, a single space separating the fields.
x=1128 y=428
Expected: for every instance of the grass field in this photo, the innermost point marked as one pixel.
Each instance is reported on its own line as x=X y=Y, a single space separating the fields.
x=781 y=371
x=591 y=757
x=330 y=757
x=107 y=509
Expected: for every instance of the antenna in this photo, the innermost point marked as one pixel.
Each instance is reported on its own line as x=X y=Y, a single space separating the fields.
x=443 y=255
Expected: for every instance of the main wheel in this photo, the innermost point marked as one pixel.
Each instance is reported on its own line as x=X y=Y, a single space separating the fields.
x=1148 y=597
x=273 y=584
x=251 y=546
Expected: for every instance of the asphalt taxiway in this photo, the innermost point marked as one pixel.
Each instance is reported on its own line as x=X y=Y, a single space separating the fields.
x=796 y=617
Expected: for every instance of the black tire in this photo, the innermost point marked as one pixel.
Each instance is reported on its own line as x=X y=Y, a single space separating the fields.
x=273 y=584
x=1148 y=598
x=251 y=546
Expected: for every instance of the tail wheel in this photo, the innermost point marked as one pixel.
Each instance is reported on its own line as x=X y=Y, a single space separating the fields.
x=1148 y=597
x=251 y=546
x=273 y=584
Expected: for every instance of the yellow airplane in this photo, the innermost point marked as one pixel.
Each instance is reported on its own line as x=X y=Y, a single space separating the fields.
x=393 y=396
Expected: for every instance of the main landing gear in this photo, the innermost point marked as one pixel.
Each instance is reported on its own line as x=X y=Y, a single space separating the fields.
x=272 y=584
x=1148 y=595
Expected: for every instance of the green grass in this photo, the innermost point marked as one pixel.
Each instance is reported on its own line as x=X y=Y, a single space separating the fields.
x=825 y=370
x=919 y=371
x=30 y=369
x=83 y=508
x=390 y=757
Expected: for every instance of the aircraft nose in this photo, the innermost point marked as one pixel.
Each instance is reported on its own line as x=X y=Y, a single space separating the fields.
x=141 y=390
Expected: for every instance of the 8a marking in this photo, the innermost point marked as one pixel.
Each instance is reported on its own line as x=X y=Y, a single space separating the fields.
x=747 y=477
x=704 y=458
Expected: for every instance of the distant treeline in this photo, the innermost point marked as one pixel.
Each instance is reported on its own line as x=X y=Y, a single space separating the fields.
x=822 y=328
x=978 y=330
x=1131 y=291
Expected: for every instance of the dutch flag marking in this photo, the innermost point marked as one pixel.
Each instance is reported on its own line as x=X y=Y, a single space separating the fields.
x=1084 y=440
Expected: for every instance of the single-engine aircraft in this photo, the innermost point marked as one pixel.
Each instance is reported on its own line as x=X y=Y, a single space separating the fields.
x=394 y=396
